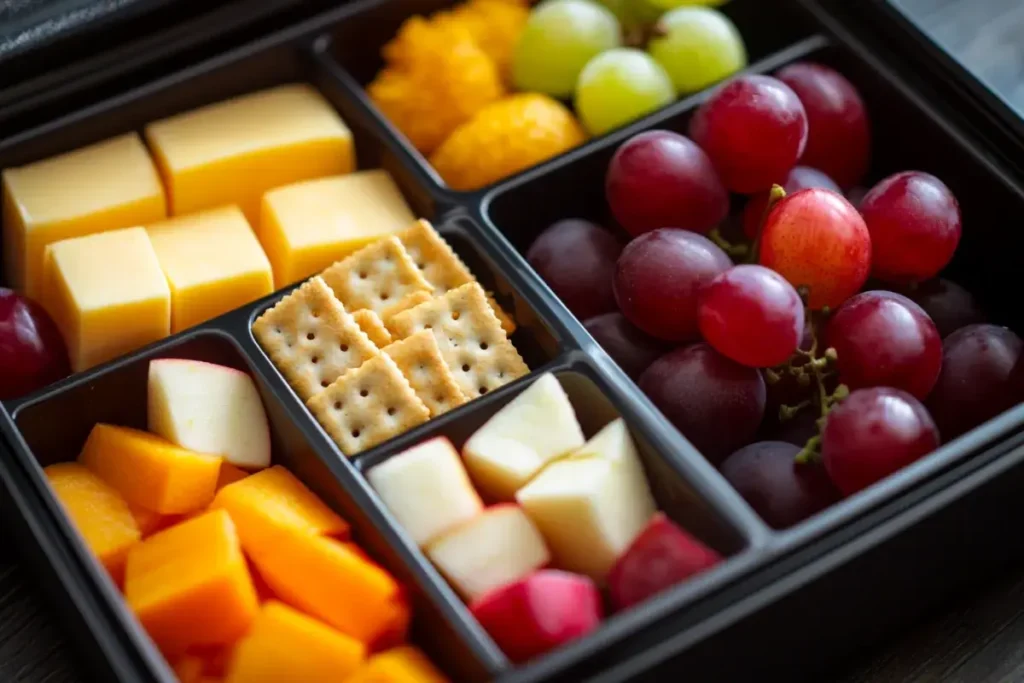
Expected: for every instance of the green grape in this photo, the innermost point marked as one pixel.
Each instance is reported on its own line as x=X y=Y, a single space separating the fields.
x=697 y=46
x=559 y=38
x=619 y=86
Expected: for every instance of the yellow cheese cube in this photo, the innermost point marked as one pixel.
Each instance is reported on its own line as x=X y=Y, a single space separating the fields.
x=105 y=186
x=213 y=263
x=307 y=226
x=232 y=152
x=107 y=294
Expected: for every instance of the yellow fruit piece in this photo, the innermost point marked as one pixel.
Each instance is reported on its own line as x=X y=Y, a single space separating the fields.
x=495 y=26
x=504 y=138
x=437 y=79
x=404 y=664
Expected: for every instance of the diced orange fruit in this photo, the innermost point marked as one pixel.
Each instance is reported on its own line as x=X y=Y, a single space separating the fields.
x=214 y=658
x=189 y=584
x=273 y=501
x=263 y=591
x=151 y=522
x=189 y=669
x=99 y=513
x=401 y=665
x=324 y=578
x=149 y=471
x=229 y=474
x=286 y=645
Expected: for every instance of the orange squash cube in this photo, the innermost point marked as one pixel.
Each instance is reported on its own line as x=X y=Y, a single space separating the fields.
x=229 y=474
x=401 y=665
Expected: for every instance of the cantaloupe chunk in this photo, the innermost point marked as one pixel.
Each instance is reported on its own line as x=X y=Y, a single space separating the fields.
x=150 y=472
x=286 y=645
x=189 y=584
x=151 y=522
x=214 y=658
x=229 y=474
x=273 y=501
x=404 y=664
x=189 y=669
x=326 y=579
x=99 y=513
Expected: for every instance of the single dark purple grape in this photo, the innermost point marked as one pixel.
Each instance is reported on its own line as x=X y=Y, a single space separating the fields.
x=633 y=350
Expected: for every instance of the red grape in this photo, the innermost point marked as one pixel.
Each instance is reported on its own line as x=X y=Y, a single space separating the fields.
x=914 y=221
x=661 y=179
x=885 y=339
x=658 y=279
x=633 y=350
x=754 y=129
x=751 y=315
x=32 y=351
x=716 y=403
x=797 y=430
x=949 y=305
x=873 y=433
x=577 y=260
x=783 y=492
x=800 y=178
x=816 y=239
x=838 y=136
x=976 y=382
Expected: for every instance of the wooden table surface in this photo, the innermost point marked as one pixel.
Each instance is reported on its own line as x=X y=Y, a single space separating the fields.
x=977 y=640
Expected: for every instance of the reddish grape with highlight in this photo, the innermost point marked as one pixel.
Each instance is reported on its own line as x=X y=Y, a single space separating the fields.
x=800 y=178
x=751 y=315
x=661 y=179
x=658 y=280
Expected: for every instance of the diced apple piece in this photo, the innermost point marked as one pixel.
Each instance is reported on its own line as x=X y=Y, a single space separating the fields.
x=427 y=489
x=591 y=505
x=660 y=557
x=536 y=427
x=539 y=613
x=498 y=546
x=209 y=408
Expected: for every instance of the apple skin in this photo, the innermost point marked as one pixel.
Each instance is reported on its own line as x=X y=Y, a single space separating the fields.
x=32 y=351
x=660 y=557
x=539 y=612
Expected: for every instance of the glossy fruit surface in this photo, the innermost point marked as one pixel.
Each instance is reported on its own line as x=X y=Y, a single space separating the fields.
x=779 y=489
x=751 y=315
x=658 y=280
x=754 y=128
x=660 y=179
x=873 y=433
x=914 y=221
x=799 y=178
x=816 y=239
x=633 y=350
x=839 y=135
x=697 y=46
x=577 y=260
x=885 y=339
x=619 y=86
x=976 y=382
x=716 y=403
x=949 y=305
x=559 y=38
x=32 y=351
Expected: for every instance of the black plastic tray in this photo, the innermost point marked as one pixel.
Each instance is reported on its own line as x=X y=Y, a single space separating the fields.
x=756 y=613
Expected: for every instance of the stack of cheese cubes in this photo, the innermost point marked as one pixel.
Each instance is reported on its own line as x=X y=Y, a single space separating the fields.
x=125 y=241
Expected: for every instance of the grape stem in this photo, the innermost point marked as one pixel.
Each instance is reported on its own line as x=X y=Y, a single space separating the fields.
x=820 y=369
x=735 y=251
x=777 y=194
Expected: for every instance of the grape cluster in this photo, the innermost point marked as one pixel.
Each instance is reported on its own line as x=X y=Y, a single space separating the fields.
x=819 y=351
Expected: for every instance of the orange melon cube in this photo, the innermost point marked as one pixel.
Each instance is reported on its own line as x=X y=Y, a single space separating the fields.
x=149 y=471
x=189 y=669
x=98 y=511
x=401 y=665
x=215 y=658
x=189 y=584
x=229 y=474
x=151 y=522
x=274 y=501
x=286 y=645
x=327 y=580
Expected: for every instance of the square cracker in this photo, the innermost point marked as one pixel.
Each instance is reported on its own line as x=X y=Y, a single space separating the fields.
x=419 y=358
x=478 y=353
x=311 y=338
x=441 y=267
x=368 y=405
x=380 y=277
x=370 y=323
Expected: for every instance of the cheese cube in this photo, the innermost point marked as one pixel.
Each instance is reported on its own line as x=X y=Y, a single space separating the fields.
x=307 y=226
x=232 y=152
x=107 y=294
x=213 y=263
x=105 y=186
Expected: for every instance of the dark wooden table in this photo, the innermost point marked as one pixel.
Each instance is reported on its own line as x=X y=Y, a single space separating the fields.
x=979 y=639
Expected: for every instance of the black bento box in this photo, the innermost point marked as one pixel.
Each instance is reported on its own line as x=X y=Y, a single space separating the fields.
x=786 y=604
